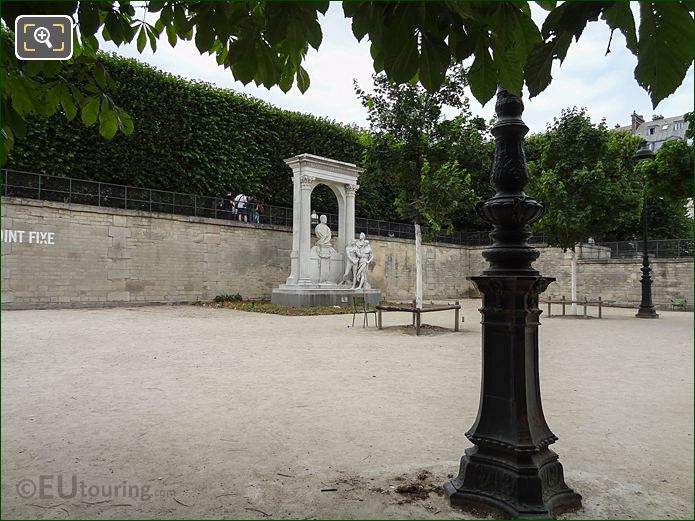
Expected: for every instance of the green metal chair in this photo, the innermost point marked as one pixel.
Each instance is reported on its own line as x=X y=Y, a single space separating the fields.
x=359 y=305
x=678 y=303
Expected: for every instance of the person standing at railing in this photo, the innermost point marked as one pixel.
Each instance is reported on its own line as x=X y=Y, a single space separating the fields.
x=227 y=207
x=240 y=206
x=259 y=211
x=251 y=209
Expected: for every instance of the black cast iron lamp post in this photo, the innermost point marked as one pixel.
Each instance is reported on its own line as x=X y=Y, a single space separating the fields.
x=510 y=467
x=646 y=307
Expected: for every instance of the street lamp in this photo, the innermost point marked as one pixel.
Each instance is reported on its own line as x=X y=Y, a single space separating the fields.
x=510 y=466
x=646 y=307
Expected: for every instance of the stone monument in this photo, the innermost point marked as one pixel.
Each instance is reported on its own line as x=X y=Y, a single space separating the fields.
x=334 y=269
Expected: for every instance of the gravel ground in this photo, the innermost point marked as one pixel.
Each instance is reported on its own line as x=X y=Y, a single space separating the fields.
x=187 y=412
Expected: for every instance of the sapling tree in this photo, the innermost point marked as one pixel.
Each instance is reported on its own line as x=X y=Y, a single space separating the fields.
x=410 y=140
x=583 y=174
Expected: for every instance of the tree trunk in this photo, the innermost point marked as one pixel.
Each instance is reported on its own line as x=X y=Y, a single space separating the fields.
x=574 y=281
x=418 y=267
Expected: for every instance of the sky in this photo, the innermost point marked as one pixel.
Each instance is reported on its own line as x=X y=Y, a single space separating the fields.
x=605 y=85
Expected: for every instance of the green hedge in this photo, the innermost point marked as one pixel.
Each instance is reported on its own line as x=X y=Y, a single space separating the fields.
x=195 y=138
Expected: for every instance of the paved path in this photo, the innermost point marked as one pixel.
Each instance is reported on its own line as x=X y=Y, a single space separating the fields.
x=218 y=413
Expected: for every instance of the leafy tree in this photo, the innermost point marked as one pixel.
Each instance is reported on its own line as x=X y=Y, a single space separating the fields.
x=471 y=145
x=666 y=184
x=194 y=138
x=410 y=143
x=267 y=42
x=690 y=118
x=667 y=220
x=672 y=174
x=582 y=173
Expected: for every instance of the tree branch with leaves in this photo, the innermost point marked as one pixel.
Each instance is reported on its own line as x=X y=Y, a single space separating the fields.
x=267 y=43
x=410 y=141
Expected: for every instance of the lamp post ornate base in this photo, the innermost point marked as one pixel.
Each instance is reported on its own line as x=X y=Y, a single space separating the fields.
x=530 y=489
x=510 y=467
x=646 y=308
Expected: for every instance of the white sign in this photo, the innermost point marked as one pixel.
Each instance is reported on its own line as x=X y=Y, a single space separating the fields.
x=30 y=237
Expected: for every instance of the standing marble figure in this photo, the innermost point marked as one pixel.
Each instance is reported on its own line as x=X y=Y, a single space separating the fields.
x=365 y=256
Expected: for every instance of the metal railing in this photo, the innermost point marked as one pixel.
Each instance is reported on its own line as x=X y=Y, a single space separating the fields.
x=31 y=185
x=658 y=248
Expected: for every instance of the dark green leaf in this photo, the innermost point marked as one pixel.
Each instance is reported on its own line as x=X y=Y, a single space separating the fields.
x=171 y=35
x=242 y=59
x=482 y=76
x=572 y=17
x=108 y=121
x=114 y=27
x=434 y=61
x=460 y=43
x=548 y=5
x=376 y=58
x=167 y=15
x=361 y=20
x=540 y=62
x=21 y=96
x=401 y=58
x=204 y=33
x=286 y=80
x=321 y=6
x=100 y=75
x=619 y=16
x=33 y=68
x=142 y=40
x=90 y=110
x=88 y=17
x=152 y=36
x=665 y=49
x=68 y=104
x=90 y=44
x=267 y=71
x=126 y=9
x=126 y=122
x=155 y=5
x=14 y=120
x=302 y=79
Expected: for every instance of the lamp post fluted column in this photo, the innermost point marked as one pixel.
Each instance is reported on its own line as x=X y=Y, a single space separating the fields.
x=646 y=307
x=510 y=467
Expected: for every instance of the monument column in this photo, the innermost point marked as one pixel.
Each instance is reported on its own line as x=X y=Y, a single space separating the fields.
x=350 y=190
x=296 y=207
x=306 y=185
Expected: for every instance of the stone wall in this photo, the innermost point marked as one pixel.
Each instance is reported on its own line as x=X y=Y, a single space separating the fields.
x=614 y=280
x=104 y=256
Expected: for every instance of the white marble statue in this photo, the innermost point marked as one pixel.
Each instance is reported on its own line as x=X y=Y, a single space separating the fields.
x=323 y=232
x=351 y=262
x=365 y=256
x=358 y=257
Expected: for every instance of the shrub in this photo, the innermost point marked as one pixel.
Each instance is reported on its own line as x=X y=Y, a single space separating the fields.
x=228 y=298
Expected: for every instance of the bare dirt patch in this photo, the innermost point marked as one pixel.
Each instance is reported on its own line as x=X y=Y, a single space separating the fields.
x=230 y=414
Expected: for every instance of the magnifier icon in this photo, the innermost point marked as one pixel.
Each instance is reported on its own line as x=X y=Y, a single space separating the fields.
x=43 y=35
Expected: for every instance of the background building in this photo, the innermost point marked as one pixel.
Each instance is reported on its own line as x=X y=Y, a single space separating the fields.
x=659 y=130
